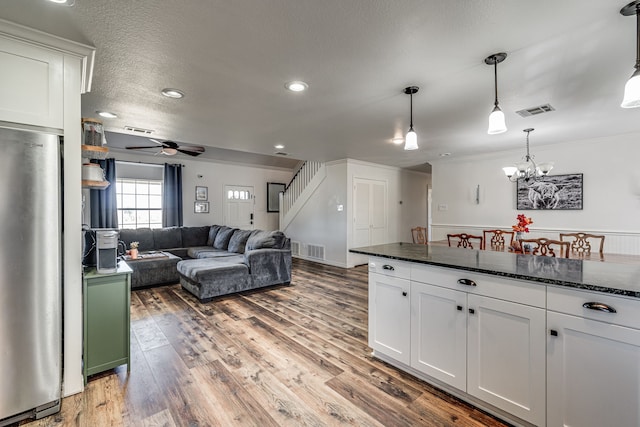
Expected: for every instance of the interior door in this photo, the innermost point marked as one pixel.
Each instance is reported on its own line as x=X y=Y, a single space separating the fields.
x=239 y=203
x=370 y=212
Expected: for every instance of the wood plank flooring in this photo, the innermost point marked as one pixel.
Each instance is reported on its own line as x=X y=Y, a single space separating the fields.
x=281 y=356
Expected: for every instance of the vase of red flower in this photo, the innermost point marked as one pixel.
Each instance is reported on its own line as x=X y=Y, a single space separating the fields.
x=521 y=227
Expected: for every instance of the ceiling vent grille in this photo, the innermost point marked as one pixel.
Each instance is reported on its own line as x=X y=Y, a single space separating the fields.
x=534 y=111
x=138 y=130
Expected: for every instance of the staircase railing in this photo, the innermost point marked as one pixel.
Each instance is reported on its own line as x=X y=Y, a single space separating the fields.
x=297 y=185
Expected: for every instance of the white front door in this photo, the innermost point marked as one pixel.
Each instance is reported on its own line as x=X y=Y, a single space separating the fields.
x=239 y=202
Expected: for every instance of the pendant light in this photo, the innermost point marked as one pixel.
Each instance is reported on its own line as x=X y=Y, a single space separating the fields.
x=496 y=118
x=528 y=169
x=632 y=88
x=411 y=140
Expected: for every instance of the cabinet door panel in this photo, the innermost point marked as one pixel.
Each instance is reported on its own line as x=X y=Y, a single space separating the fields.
x=506 y=363
x=593 y=373
x=439 y=333
x=389 y=328
x=31 y=82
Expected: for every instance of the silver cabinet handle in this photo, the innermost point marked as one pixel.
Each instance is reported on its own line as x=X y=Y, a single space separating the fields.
x=467 y=282
x=599 y=306
x=388 y=267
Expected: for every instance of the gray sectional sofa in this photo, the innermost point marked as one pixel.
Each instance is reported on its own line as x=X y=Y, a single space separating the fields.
x=210 y=261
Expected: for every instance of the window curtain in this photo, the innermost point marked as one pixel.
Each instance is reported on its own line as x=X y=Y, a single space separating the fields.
x=172 y=196
x=104 y=212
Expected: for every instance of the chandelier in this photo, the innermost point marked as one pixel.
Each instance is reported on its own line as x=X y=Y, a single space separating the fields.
x=527 y=169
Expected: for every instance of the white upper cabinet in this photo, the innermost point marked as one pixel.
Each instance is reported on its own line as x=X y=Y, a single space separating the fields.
x=31 y=84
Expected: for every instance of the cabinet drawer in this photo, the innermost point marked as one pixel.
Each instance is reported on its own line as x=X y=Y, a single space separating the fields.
x=571 y=301
x=390 y=267
x=485 y=284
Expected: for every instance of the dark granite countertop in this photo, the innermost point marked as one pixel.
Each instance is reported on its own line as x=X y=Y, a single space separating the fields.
x=609 y=277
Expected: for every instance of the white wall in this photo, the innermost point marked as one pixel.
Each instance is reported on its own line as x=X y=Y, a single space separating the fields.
x=215 y=176
x=611 y=198
x=319 y=222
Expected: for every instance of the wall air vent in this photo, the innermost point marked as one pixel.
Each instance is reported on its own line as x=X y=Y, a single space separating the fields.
x=138 y=130
x=533 y=111
x=315 y=251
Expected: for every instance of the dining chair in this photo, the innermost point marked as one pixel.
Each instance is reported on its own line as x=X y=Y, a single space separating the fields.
x=581 y=243
x=547 y=247
x=466 y=240
x=495 y=239
x=419 y=235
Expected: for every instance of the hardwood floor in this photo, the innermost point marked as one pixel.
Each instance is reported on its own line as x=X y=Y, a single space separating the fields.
x=282 y=356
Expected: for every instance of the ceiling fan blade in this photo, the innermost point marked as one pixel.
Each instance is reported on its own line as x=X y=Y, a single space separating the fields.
x=190 y=153
x=193 y=148
x=139 y=148
x=156 y=141
x=169 y=144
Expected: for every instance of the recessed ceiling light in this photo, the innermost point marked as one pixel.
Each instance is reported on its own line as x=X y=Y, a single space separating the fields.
x=278 y=146
x=107 y=114
x=398 y=140
x=172 y=93
x=296 y=86
x=444 y=154
x=58 y=1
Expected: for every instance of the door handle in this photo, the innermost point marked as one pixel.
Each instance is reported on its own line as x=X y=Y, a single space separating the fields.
x=388 y=267
x=599 y=306
x=459 y=308
x=471 y=311
x=467 y=282
x=404 y=293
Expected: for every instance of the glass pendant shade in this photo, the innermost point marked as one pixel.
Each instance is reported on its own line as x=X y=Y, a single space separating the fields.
x=496 y=122
x=632 y=92
x=509 y=171
x=411 y=140
x=545 y=168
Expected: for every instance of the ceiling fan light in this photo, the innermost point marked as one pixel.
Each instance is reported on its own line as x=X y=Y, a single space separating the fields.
x=632 y=91
x=411 y=140
x=509 y=171
x=496 y=122
x=169 y=151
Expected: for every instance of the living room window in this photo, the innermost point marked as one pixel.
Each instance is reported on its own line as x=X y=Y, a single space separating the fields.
x=139 y=203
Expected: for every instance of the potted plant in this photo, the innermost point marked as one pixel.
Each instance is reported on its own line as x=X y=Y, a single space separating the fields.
x=133 y=251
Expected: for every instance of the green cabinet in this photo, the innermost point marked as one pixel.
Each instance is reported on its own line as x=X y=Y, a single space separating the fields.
x=107 y=299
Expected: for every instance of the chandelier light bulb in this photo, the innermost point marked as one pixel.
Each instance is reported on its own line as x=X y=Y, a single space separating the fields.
x=632 y=92
x=496 y=122
x=411 y=141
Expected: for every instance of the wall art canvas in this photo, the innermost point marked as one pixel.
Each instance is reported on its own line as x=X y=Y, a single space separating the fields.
x=554 y=192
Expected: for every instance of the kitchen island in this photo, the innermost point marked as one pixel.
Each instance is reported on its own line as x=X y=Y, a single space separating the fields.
x=533 y=340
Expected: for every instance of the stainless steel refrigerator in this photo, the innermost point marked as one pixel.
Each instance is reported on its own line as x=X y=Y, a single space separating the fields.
x=30 y=275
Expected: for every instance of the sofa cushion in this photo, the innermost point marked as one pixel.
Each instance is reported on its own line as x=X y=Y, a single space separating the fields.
x=213 y=232
x=196 y=251
x=265 y=240
x=144 y=236
x=195 y=236
x=238 y=241
x=165 y=238
x=223 y=237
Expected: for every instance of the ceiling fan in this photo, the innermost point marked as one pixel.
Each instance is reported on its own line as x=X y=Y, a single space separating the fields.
x=170 y=148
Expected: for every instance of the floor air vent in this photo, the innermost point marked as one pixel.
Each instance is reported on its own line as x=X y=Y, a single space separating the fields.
x=315 y=251
x=295 y=248
x=533 y=111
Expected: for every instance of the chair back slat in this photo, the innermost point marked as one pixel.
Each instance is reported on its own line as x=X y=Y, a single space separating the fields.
x=466 y=241
x=548 y=247
x=582 y=243
x=419 y=235
x=495 y=239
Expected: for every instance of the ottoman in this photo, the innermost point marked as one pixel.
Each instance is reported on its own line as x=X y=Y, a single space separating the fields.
x=158 y=268
x=209 y=278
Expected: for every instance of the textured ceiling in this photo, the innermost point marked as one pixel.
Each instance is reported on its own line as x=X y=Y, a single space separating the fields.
x=232 y=58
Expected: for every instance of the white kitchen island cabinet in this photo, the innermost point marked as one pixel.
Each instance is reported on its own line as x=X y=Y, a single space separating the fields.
x=533 y=340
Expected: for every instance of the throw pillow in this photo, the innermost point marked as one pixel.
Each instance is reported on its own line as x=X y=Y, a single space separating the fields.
x=223 y=237
x=213 y=232
x=266 y=239
x=239 y=240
